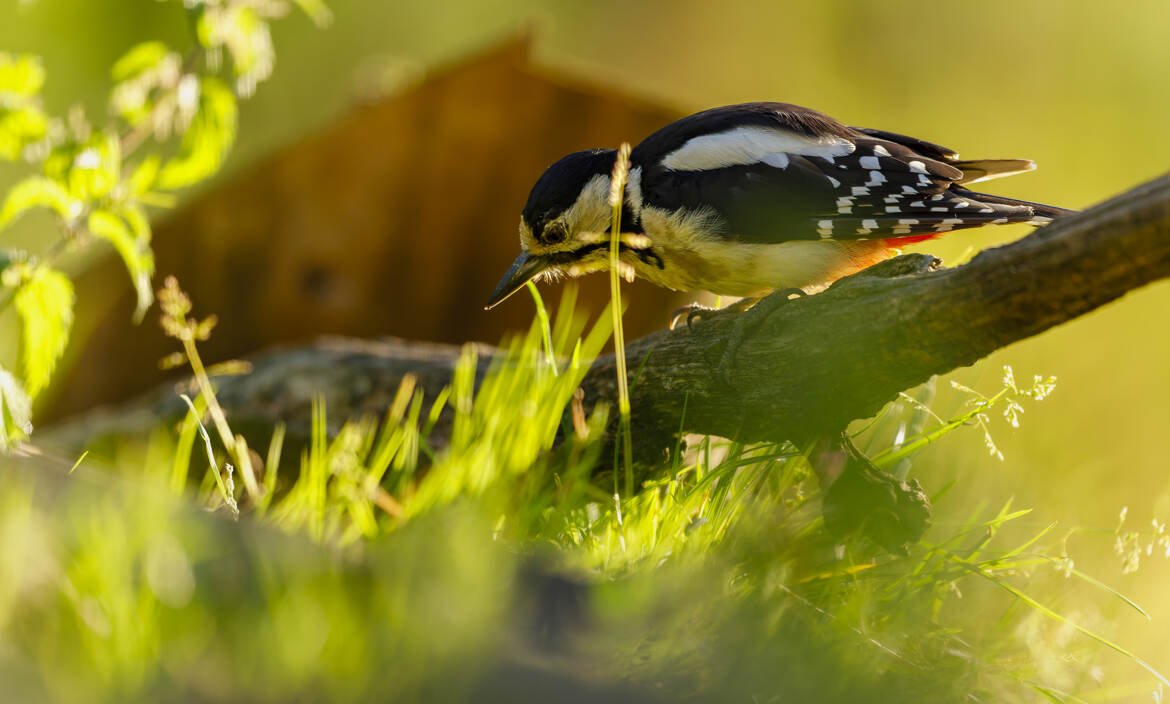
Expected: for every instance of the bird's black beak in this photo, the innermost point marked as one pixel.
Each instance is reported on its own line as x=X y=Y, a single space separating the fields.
x=523 y=270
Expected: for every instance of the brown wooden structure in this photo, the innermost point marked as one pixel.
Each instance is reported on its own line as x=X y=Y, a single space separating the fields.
x=398 y=219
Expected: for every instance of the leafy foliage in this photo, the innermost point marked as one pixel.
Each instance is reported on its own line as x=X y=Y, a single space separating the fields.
x=134 y=251
x=206 y=141
x=15 y=410
x=45 y=305
x=22 y=121
x=100 y=180
x=38 y=192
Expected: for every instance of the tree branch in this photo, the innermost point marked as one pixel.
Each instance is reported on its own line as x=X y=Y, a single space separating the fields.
x=811 y=367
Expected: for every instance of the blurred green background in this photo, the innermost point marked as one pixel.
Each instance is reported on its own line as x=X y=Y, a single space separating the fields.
x=1081 y=87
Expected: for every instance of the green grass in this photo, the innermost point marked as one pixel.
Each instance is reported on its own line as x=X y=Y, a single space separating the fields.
x=392 y=566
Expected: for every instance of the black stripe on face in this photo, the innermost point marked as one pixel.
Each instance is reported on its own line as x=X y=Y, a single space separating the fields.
x=557 y=259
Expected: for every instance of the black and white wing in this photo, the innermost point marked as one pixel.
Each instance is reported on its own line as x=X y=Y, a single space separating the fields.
x=774 y=172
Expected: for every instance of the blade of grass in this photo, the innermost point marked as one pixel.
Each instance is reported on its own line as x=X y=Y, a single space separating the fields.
x=1059 y=618
x=621 y=172
x=545 y=326
x=223 y=490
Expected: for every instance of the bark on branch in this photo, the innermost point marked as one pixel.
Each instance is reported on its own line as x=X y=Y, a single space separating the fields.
x=811 y=367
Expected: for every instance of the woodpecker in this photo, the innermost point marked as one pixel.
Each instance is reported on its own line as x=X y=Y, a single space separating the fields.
x=745 y=200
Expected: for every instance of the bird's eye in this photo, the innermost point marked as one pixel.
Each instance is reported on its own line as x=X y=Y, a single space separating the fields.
x=555 y=232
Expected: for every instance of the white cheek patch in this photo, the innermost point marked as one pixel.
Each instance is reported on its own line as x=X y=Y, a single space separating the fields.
x=527 y=240
x=591 y=211
x=743 y=146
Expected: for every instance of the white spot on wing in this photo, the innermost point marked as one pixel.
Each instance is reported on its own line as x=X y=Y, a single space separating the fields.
x=917 y=166
x=749 y=145
x=869 y=224
x=834 y=182
x=860 y=191
x=880 y=150
x=876 y=178
x=870 y=162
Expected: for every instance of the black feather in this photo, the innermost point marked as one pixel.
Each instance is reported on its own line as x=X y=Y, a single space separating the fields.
x=889 y=186
x=560 y=184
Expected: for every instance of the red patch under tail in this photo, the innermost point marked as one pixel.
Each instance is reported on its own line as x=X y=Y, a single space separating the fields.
x=909 y=239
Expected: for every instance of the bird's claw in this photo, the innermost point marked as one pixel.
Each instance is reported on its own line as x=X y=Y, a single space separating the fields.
x=689 y=313
x=695 y=311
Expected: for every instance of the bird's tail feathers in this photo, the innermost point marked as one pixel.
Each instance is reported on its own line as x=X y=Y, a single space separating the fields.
x=976 y=170
x=1041 y=213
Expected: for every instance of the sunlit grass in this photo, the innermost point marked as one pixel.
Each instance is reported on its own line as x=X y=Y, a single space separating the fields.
x=388 y=563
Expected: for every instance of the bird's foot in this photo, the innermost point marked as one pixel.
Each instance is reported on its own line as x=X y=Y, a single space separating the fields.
x=695 y=311
x=748 y=323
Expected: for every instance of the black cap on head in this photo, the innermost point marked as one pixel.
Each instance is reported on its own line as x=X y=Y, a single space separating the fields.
x=560 y=184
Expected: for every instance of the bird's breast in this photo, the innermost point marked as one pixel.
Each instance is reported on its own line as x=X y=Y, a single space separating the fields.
x=696 y=256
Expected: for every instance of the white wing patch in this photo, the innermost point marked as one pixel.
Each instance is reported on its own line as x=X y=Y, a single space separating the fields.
x=742 y=146
x=634 y=189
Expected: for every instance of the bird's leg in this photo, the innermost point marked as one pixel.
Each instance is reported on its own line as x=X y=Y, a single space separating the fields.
x=749 y=322
x=695 y=311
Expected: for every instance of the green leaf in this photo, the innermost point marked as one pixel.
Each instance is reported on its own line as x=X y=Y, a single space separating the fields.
x=244 y=32
x=317 y=11
x=139 y=224
x=15 y=411
x=207 y=140
x=20 y=77
x=139 y=76
x=140 y=58
x=45 y=306
x=135 y=254
x=37 y=192
x=145 y=175
x=19 y=127
x=90 y=169
x=249 y=41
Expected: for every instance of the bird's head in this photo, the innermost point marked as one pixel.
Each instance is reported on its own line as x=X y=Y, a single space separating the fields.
x=562 y=224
